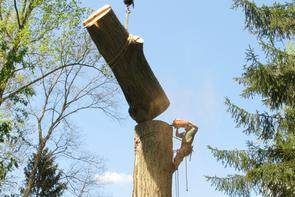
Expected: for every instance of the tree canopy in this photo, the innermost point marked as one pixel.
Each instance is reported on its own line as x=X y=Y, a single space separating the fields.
x=26 y=28
x=44 y=39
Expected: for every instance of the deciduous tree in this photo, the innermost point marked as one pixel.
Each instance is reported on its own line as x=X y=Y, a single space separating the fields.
x=29 y=33
x=71 y=90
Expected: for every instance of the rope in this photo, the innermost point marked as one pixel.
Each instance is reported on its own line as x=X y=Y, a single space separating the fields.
x=129 y=39
x=122 y=50
x=186 y=179
x=177 y=184
x=127 y=17
x=177 y=138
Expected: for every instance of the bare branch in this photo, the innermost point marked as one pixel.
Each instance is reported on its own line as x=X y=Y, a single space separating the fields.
x=42 y=77
x=17 y=15
x=65 y=90
x=28 y=11
x=24 y=6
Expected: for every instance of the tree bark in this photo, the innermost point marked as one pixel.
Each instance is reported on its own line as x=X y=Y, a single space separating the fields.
x=153 y=167
x=124 y=54
x=30 y=185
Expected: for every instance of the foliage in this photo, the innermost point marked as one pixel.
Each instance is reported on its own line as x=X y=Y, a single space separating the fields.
x=44 y=53
x=26 y=26
x=11 y=134
x=267 y=166
x=70 y=90
x=47 y=179
x=7 y=162
x=26 y=29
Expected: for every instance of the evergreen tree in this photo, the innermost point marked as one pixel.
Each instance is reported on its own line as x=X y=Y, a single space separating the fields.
x=267 y=166
x=47 y=180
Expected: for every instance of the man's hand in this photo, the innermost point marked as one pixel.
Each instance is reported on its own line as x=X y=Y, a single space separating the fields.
x=192 y=125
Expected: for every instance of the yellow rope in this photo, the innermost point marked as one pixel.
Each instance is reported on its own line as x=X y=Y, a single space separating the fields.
x=129 y=39
x=122 y=51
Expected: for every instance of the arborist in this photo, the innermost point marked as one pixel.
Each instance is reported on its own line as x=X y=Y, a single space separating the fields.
x=187 y=138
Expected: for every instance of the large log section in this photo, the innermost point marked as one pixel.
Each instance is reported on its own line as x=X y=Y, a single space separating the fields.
x=153 y=167
x=124 y=54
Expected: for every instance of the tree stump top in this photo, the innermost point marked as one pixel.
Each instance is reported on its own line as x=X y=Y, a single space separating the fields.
x=93 y=18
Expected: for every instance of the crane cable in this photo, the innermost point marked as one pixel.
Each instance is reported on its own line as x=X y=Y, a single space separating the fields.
x=128 y=4
x=128 y=11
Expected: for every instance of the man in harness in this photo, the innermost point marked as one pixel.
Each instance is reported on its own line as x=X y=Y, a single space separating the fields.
x=187 y=138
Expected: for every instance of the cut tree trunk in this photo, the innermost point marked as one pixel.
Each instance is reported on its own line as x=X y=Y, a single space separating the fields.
x=124 y=54
x=153 y=167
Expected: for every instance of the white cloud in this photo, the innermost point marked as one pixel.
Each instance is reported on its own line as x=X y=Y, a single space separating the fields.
x=113 y=178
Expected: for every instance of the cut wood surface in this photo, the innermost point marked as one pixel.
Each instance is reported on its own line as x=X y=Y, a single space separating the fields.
x=153 y=167
x=124 y=54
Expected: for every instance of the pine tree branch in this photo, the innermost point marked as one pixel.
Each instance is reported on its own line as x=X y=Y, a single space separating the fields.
x=272 y=22
x=262 y=125
x=232 y=185
x=238 y=159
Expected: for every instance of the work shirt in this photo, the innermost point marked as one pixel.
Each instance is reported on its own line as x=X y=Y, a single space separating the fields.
x=188 y=136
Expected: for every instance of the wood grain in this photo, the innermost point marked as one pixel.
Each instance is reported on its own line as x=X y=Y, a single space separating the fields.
x=153 y=167
x=125 y=56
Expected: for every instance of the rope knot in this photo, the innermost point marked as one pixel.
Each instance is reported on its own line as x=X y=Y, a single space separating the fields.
x=129 y=40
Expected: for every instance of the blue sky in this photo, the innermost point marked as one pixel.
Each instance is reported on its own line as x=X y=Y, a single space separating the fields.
x=195 y=49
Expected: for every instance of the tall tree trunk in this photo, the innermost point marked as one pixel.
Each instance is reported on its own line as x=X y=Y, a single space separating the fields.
x=153 y=167
x=30 y=185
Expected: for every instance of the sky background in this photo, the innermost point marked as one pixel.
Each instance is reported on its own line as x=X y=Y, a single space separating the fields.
x=195 y=49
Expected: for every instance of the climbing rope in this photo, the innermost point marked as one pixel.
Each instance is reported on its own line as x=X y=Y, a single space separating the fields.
x=186 y=179
x=177 y=173
x=177 y=183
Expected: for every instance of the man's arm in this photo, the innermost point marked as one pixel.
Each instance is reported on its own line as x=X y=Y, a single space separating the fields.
x=177 y=133
x=193 y=125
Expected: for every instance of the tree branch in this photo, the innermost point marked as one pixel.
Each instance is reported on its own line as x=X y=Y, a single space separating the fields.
x=24 y=6
x=17 y=15
x=42 y=77
x=1 y=17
